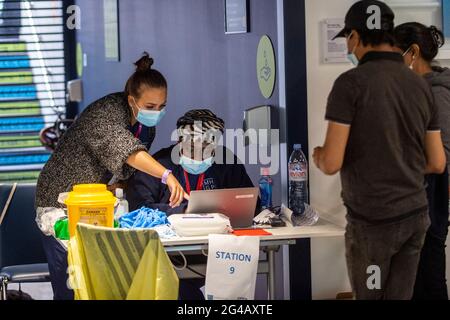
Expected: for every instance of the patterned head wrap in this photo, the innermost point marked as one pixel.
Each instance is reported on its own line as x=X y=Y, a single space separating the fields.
x=200 y=125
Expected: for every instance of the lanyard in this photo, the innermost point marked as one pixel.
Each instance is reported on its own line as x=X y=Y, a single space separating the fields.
x=200 y=181
x=138 y=132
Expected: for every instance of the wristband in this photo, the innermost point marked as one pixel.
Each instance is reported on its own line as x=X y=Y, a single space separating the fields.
x=166 y=176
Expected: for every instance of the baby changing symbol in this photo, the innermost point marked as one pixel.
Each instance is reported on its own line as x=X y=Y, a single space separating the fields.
x=265 y=72
x=265 y=67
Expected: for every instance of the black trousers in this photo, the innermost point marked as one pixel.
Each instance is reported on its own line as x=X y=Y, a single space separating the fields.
x=431 y=283
x=57 y=264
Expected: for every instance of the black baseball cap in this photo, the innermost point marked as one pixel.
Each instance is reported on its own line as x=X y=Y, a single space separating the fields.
x=357 y=17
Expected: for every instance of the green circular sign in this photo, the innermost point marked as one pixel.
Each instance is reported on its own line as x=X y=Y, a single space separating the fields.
x=265 y=67
x=79 y=57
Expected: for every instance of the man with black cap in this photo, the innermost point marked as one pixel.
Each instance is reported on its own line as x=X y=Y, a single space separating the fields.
x=383 y=136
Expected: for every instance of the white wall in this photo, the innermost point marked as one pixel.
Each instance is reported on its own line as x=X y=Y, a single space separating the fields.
x=329 y=273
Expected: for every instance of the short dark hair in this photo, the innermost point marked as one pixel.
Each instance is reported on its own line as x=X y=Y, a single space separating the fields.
x=429 y=39
x=376 y=37
x=144 y=76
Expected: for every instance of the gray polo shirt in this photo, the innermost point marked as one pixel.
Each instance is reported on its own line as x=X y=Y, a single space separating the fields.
x=439 y=80
x=389 y=109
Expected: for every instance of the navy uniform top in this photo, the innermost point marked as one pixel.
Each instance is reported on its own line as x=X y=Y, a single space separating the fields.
x=145 y=190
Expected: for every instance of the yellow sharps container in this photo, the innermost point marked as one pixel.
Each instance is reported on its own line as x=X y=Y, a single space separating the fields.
x=90 y=204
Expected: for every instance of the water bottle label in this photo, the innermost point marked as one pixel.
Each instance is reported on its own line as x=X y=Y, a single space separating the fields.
x=297 y=172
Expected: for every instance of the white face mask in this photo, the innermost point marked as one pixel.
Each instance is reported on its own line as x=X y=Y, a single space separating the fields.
x=352 y=56
x=411 y=66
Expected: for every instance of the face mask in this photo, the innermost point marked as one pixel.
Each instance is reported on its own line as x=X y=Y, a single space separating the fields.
x=353 y=59
x=351 y=56
x=411 y=66
x=149 y=118
x=195 y=167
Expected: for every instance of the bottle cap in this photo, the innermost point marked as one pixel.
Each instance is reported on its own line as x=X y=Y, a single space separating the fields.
x=265 y=171
x=119 y=193
x=297 y=146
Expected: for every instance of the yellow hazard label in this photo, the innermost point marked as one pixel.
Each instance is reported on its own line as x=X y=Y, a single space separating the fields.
x=94 y=216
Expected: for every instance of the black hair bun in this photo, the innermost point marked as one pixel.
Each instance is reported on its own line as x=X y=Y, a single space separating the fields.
x=145 y=63
x=438 y=36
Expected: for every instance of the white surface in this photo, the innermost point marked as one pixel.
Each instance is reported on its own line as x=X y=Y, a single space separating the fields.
x=427 y=12
x=444 y=53
x=328 y=268
x=413 y=4
x=323 y=229
x=235 y=278
x=324 y=190
x=37 y=291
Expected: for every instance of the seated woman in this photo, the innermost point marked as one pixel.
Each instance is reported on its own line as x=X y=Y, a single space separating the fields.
x=193 y=161
x=196 y=163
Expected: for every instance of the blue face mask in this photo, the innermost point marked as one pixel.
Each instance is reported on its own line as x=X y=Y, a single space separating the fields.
x=351 y=56
x=353 y=59
x=195 y=167
x=150 y=118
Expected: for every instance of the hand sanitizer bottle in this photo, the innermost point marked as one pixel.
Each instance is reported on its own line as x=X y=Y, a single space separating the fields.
x=122 y=207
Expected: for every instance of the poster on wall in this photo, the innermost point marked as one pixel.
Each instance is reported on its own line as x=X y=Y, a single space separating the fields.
x=236 y=16
x=446 y=17
x=333 y=51
x=111 y=26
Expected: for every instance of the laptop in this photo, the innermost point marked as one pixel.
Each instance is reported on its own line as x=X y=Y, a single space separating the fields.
x=238 y=205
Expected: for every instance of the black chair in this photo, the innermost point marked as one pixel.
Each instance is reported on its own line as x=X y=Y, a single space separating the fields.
x=22 y=257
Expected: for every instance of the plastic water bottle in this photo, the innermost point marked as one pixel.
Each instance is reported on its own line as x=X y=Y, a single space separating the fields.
x=265 y=188
x=122 y=208
x=298 y=180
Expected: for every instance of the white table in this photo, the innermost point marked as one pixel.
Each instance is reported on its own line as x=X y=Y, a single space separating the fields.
x=270 y=244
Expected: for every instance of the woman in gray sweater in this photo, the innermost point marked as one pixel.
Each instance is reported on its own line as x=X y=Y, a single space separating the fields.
x=98 y=146
x=420 y=45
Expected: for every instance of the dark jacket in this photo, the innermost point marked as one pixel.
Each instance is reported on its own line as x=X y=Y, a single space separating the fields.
x=145 y=190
